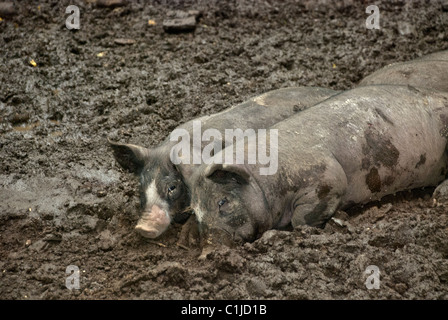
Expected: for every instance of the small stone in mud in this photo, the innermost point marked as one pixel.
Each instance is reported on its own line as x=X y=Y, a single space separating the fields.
x=179 y=25
x=37 y=246
x=101 y=193
x=111 y=3
x=7 y=9
x=123 y=41
x=178 y=14
x=53 y=237
x=181 y=21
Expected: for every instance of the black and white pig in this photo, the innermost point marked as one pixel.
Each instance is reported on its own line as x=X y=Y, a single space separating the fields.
x=163 y=194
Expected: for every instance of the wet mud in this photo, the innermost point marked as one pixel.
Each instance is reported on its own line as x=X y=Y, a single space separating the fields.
x=132 y=74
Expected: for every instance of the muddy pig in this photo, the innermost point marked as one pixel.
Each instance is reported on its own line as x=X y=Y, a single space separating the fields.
x=440 y=55
x=163 y=195
x=353 y=148
x=429 y=72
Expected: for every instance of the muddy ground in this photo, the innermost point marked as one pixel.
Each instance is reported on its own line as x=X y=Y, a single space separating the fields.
x=64 y=201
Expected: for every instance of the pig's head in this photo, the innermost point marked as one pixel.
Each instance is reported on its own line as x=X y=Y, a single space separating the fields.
x=229 y=204
x=162 y=192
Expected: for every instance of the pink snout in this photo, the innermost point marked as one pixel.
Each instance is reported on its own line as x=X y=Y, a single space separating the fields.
x=153 y=223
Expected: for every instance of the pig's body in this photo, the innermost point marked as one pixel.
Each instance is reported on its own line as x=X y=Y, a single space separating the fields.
x=430 y=74
x=353 y=148
x=163 y=195
x=440 y=55
x=262 y=111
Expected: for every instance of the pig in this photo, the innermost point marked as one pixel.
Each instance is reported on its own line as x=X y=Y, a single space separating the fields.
x=353 y=148
x=440 y=55
x=163 y=195
x=430 y=71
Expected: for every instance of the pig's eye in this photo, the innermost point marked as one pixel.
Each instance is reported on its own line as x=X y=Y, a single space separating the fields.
x=222 y=202
x=171 y=189
x=221 y=207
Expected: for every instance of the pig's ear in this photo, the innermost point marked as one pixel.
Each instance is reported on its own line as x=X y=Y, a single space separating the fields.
x=129 y=156
x=227 y=172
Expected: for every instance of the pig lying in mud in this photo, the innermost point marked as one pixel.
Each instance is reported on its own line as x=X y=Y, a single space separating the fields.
x=429 y=72
x=440 y=55
x=353 y=148
x=163 y=195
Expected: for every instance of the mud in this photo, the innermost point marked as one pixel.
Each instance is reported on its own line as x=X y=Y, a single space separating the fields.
x=64 y=201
